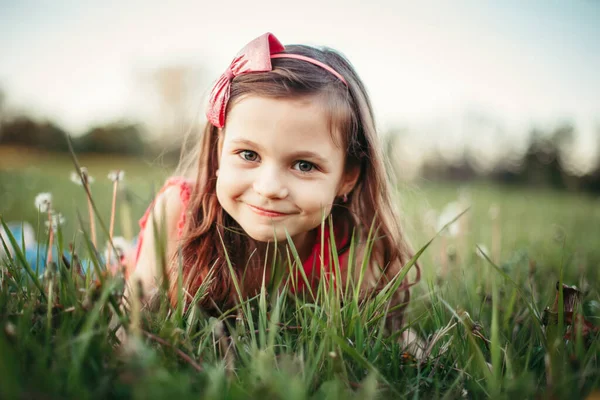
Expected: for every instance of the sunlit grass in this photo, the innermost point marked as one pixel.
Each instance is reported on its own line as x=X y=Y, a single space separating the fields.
x=482 y=324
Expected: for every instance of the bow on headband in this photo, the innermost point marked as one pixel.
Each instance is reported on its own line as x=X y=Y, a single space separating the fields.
x=254 y=57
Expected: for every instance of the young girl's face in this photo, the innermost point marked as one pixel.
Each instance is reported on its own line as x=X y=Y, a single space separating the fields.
x=279 y=168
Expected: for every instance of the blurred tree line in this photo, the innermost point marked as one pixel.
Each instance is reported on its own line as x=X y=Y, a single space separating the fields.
x=19 y=129
x=546 y=162
x=168 y=97
x=113 y=138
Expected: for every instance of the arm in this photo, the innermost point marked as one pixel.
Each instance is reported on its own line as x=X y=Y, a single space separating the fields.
x=166 y=211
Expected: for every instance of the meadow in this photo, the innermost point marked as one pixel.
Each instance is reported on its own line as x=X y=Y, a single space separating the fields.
x=490 y=318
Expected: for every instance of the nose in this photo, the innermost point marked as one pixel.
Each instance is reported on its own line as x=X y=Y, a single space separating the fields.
x=269 y=183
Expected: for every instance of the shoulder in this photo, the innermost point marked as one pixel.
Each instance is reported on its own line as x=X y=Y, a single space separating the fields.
x=176 y=190
x=168 y=204
x=170 y=201
x=167 y=211
x=165 y=216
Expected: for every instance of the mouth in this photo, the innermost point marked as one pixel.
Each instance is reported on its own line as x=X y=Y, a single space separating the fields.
x=267 y=213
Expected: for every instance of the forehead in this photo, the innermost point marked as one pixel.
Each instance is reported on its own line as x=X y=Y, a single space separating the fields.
x=295 y=124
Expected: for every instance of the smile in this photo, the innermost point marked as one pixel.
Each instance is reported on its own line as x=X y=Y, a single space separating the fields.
x=267 y=213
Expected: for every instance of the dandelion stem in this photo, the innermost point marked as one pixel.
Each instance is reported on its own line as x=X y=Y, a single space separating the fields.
x=50 y=239
x=112 y=218
x=91 y=212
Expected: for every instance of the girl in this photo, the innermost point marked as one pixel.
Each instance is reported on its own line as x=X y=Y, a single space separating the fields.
x=290 y=139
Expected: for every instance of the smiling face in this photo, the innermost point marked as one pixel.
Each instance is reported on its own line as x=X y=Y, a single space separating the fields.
x=279 y=168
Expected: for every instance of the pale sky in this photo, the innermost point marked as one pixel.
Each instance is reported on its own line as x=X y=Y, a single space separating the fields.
x=425 y=64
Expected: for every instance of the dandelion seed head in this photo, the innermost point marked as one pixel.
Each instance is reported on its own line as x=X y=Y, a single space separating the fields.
x=450 y=212
x=75 y=178
x=10 y=329
x=117 y=175
x=57 y=220
x=85 y=177
x=481 y=250
x=43 y=202
x=122 y=247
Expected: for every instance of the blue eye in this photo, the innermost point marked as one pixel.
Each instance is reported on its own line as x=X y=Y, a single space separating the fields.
x=305 y=166
x=248 y=155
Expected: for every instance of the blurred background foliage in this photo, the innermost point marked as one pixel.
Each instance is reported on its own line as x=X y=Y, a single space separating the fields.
x=546 y=161
x=112 y=138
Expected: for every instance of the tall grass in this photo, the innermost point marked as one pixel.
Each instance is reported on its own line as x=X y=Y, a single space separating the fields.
x=484 y=328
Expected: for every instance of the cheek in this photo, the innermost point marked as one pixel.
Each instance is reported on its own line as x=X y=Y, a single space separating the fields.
x=228 y=187
x=315 y=197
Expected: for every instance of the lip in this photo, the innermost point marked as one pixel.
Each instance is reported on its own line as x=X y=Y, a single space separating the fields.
x=267 y=213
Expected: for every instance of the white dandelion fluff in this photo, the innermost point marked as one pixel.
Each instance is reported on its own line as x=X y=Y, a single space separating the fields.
x=75 y=178
x=57 y=220
x=122 y=247
x=43 y=202
x=116 y=175
x=85 y=177
x=482 y=251
x=450 y=212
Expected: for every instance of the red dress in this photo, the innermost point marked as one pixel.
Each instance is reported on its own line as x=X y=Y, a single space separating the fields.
x=185 y=192
x=320 y=255
x=311 y=265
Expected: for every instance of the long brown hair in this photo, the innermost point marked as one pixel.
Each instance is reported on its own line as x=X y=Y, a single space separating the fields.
x=351 y=114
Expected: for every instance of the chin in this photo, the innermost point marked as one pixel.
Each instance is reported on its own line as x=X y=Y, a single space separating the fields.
x=266 y=235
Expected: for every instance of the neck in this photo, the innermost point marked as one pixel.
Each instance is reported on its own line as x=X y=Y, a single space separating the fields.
x=303 y=243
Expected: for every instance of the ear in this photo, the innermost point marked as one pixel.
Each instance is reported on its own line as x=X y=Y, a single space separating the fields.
x=349 y=179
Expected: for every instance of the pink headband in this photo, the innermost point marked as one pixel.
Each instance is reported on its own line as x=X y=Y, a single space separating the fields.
x=254 y=57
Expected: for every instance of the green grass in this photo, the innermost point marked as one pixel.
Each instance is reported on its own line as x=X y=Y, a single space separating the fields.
x=25 y=173
x=57 y=340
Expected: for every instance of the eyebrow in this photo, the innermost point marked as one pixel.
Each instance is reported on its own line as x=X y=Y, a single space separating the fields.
x=299 y=154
